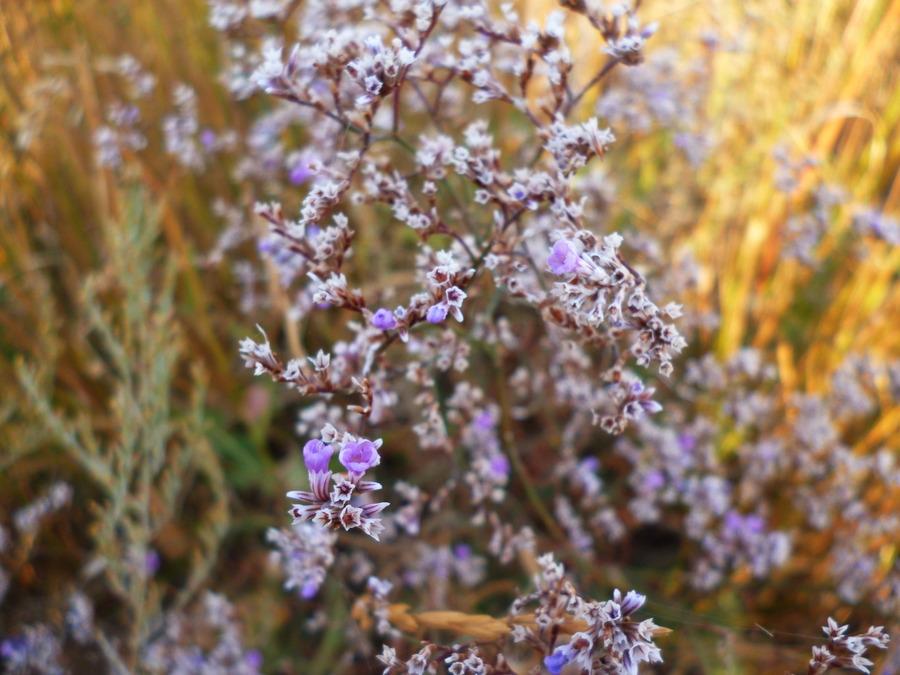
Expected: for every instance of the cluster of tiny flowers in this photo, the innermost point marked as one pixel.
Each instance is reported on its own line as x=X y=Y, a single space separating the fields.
x=446 y=281
x=418 y=664
x=177 y=648
x=601 y=287
x=610 y=644
x=330 y=506
x=743 y=507
x=324 y=377
x=37 y=650
x=846 y=651
x=305 y=553
x=463 y=660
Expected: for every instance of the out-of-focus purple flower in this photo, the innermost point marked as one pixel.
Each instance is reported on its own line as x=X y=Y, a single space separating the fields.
x=298 y=166
x=152 y=562
x=300 y=173
x=253 y=658
x=316 y=455
x=651 y=407
x=559 y=658
x=359 y=456
x=436 y=313
x=589 y=464
x=485 y=421
x=754 y=523
x=208 y=138
x=687 y=442
x=749 y=524
x=654 y=479
x=564 y=258
x=11 y=647
x=500 y=466
x=462 y=551
x=733 y=521
x=309 y=590
x=384 y=319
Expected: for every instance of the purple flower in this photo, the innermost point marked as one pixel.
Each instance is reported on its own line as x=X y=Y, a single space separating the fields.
x=654 y=479
x=754 y=524
x=437 y=313
x=485 y=421
x=316 y=455
x=359 y=456
x=152 y=562
x=564 y=257
x=300 y=171
x=517 y=191
x=589 y=464
x=631 y=603
x=253 y=658
x=462 y=551
x=687 y=442
x=208 y=138
x=384 y=319
x=733 y=521
x=558 y=659
x=651 y=407
x=500 y=466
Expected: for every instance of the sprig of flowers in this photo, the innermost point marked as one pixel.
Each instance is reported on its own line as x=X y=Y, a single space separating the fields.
x=330 y=506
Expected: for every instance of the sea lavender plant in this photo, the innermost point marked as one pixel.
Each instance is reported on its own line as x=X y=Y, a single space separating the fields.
x=846 y=651
x=482 y=271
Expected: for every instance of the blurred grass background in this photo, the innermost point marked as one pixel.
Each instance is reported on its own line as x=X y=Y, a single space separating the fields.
x=818 y=77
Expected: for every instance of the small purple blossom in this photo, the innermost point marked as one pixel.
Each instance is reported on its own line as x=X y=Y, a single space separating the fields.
x=631 y=603
x=152 y=562
x=687 y=442
x=517 y=191
x=654 y=480
x=564 y=258
x=462 y=552
x=316 y=455
x=359 y=456
x=500 y=466
x=436 y=313
x=384 y=319
x=299 y=174
x=254 y=659
x=559 y=658
x=485 y=421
